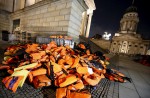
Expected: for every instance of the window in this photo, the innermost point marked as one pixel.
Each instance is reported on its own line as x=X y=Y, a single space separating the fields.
x=24 y=35
x=16 y=23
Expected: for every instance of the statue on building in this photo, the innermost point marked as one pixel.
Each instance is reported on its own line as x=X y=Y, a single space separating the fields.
x=148 y=52
x=106 y=36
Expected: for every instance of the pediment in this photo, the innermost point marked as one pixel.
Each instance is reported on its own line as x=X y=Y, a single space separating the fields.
x=127 y=37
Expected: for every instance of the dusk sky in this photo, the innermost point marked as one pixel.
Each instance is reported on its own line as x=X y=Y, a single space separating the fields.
x=108 y=14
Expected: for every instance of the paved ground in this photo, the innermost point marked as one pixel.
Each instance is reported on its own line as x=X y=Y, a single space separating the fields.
x=140 y=75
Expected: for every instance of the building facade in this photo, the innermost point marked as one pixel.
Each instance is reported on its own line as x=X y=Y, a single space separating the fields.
x=50 y=17
x=126 y=40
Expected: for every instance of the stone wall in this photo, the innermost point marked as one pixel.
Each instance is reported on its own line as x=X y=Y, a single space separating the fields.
x=51 y=17
x=4 y=22
x=130 y=47
x=76 y=18
x=6 y=5
x=104 y=44
x=94 y=47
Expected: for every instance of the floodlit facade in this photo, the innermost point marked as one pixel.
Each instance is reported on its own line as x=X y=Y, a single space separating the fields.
x=127 y=41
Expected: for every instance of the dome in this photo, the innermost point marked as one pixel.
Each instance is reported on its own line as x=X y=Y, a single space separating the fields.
x=131 y=9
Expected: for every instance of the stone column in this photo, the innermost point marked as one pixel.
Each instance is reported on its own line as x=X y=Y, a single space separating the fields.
x=84 y=22
x=22 y=5
x=127 y=48
x=132 y=26
x=124 y=25
x=128 y=25
x=89 y=24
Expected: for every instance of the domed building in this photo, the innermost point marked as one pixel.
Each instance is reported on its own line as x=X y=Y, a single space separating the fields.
x=126 y=40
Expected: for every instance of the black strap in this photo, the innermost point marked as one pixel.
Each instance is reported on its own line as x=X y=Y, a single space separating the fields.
x=64 y=71
x=51 y=72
